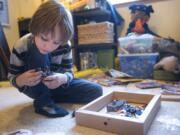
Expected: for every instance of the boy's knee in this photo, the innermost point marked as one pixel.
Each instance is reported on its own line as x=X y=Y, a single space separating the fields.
x=99 y=90
x=95 y=92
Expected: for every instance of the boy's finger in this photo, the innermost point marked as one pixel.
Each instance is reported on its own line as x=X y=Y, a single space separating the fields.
x=46 y=83
x=37 y=81
x=48 y=78
x=36 y=74
x=38 y=78
x=31 y=70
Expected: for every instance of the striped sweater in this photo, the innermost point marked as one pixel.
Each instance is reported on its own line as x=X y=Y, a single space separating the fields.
x=60 y=61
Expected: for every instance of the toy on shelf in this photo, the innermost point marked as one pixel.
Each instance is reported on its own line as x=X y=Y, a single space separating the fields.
x=140 y=15
x=74 y=4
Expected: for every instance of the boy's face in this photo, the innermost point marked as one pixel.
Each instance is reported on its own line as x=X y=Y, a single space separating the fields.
x=47 y=43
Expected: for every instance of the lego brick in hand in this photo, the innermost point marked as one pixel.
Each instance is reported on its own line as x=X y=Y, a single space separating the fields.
x=45 y=71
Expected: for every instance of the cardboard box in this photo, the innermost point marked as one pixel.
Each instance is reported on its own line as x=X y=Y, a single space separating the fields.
x=92 y=116
x=94 y=33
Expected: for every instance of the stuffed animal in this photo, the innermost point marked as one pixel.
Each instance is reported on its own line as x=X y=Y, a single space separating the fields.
x=140 y=15
x=169 y=51
x=169 y=63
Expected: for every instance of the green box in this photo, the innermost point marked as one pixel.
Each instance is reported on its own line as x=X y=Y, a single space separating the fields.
x=105 y=58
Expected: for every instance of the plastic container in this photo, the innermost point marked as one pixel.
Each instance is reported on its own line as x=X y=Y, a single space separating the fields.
x=138 y=65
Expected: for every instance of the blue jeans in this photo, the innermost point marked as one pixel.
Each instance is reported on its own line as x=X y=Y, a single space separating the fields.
x=78 y=91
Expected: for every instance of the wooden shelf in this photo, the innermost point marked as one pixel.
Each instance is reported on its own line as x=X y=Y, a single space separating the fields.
x=86 y=16
x=96 y=46
x=92 y=13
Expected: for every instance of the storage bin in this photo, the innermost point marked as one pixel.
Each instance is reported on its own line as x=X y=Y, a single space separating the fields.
x=138 y=65
x=94 y=33
x=133 y=44
x=94 y=114
x=105 y=58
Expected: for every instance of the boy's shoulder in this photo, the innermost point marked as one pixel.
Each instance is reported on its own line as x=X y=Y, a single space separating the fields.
x=68 y=44
x=65 y=46
x=21 y=44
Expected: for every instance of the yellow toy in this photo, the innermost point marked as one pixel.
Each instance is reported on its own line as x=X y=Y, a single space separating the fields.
x=74 y=4
x=88 y=72
x=5 y=84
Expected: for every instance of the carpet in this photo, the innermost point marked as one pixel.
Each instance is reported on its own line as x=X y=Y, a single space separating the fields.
x=17 y=112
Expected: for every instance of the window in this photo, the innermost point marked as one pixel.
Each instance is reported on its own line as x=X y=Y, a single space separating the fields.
x=113 y=2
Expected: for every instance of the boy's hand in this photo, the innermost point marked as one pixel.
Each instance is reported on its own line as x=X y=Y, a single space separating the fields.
x=55 y=80
x=29 y=78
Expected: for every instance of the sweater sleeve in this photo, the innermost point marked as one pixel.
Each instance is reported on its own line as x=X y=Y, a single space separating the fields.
x=62 y=61
x=67 y=65
x=16 y=65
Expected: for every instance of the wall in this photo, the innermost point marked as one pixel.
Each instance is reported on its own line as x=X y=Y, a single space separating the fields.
x=18 y=8
x=165 y=21
x=11 y=31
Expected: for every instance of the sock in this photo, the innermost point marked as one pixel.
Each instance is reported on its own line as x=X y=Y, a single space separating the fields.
x=52 y=111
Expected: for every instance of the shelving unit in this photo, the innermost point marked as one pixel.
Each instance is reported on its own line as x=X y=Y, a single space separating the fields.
x=96 y=46
x=83 y=17
x=23 y=26
x=4 y=55
x=92 y=15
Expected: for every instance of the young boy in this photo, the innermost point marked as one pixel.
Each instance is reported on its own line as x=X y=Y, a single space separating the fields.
x=47 y=46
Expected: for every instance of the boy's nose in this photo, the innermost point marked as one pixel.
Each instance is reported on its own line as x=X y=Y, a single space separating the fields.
x=47 y=46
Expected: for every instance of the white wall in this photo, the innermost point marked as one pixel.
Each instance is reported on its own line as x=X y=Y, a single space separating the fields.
x=18 y=8
x=165 y=21
x=11 y=31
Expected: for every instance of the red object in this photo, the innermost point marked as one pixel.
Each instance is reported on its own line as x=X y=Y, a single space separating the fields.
x=139 y=26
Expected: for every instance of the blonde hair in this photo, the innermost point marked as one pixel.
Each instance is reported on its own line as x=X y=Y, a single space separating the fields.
x=50 y=14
